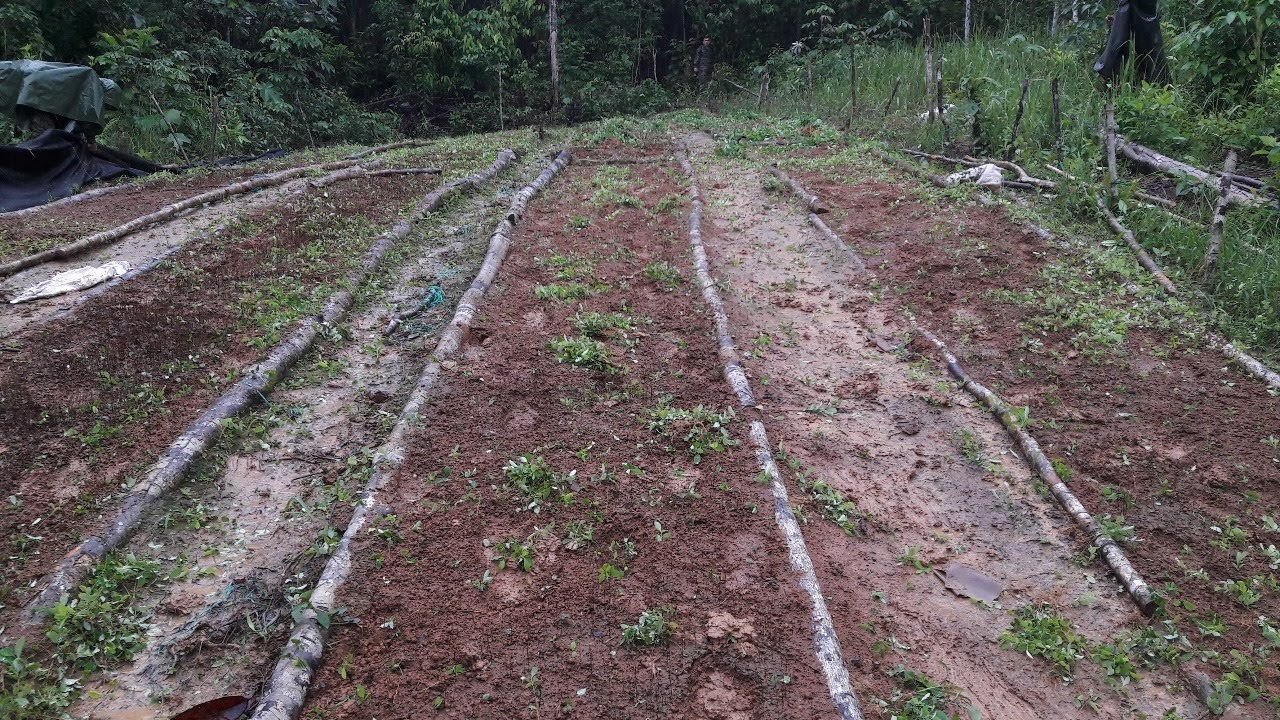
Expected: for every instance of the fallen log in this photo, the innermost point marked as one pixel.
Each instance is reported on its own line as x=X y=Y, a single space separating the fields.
x=286 y=690
x=1111 y=552
x=1143 y=196
x=1153 y=161
x=811 y=201
x=1143 y=258
x=172 y=466
x=403 y=171
x=99 y=192
x=826 y=644
x=901 y=164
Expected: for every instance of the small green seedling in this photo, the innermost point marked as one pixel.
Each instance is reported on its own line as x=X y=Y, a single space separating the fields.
x=653 y=627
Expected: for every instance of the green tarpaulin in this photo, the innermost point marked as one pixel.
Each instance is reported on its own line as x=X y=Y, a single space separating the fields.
x=74 y=92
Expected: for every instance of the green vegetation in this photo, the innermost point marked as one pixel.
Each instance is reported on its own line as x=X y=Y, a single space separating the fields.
x=1039 y=631
x=534 y=479
x=663 y=274
x=583 y=353
x=562 y=293
x=916 y=697
x=653 y=627
x=705 y=431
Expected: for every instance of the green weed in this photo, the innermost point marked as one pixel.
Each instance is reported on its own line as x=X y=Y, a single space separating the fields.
x=584 y=353
x=1039 y=631
x=705 y=431
x=652 y=628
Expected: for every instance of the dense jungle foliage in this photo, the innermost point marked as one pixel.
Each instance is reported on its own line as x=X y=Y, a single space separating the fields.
x=221 y=76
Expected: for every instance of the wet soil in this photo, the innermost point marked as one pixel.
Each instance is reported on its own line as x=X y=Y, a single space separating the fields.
x=87 y=402
x=274 y=501
x=1158 y=431
x=933 y=474
x=441 y=625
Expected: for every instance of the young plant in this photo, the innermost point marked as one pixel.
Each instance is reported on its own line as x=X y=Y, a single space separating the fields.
x=1039 y=631
x=704 y=431
x=595 y=324
x=516 y=554
x=562 y=293
x=533 y=478
x=653 y=627
x=584 y=353
x=663 y=274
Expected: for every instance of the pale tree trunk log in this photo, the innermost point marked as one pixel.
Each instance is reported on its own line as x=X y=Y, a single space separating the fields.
x=1150 y=160
x=1219 y=218
x=172 y=466
x=553 y=27
x=286 y=690
x=1109 y=135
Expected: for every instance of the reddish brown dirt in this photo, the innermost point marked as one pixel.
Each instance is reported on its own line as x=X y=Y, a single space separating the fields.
x=111 y=363
x=743 y=647
x=1175 y=427
x=31 y=234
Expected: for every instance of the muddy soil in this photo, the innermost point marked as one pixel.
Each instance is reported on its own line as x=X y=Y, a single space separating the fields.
x=439 y=621
x=87 y=402
x=1156 y=431
x=935 y=476
x=273 y=502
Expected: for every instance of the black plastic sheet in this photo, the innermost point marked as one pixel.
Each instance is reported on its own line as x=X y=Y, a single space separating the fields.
x=54 y=165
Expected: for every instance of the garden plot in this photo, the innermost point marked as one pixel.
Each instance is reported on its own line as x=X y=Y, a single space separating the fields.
x=578 y=525
x=89 y=401
x=266 y=508
x=1171 y=447
x=900 y=476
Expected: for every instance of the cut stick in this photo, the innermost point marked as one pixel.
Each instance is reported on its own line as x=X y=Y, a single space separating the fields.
x=385 y=148
x=172 y=466
x=1143 y=258
x=807 y=198
x=107 y=237
x=937 y=180
x=1219 y=219
x=1111 y=553
x=1250 y=364
x=1109 y=138
x=826 y=643
x=811 y=201
x=286 y=690
x=1012 y=151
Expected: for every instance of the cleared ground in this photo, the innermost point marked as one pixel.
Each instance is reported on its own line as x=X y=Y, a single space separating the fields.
x=580 y=527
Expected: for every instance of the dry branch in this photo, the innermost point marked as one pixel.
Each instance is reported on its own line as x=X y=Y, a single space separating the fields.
x=826 y=643
x=914 y=170
x=1012 y=151
x=385 y=148
x=286 y=690
x=1137 y=249
x=1109 y=137
x=1219 y=218
x=258 y=380
x=1110 y=551
x=1145 y=197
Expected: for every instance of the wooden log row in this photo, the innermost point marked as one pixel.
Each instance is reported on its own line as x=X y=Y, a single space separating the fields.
x=1110 y=551
x=826 y=644
x=1112 y=554
x=286 y=689
x=153 y=262
x=1143 y=196
x=172 y=466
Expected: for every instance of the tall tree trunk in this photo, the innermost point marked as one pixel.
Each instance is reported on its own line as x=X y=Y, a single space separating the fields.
x=553 y=25
x=1075 y=11
x=928 y=67
x=968 y=18
x=1053 y=19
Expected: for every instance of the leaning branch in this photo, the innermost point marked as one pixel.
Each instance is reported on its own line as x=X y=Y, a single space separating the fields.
x=1143 y=258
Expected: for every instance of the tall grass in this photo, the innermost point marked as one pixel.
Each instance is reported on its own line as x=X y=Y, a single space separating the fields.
x=984 y=77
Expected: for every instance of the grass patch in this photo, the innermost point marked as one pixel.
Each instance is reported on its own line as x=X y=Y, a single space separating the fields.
x=584 y=353
x=597 y=324
x=663 y=274
x=703 y=430
x=562 y=293
x=1039 y=631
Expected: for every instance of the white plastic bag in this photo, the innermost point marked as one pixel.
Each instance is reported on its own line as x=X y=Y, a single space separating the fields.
x=987 y=176
x=72 y=280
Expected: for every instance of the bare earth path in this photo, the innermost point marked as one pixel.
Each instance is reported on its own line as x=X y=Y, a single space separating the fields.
x=889 y=435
